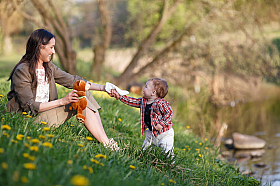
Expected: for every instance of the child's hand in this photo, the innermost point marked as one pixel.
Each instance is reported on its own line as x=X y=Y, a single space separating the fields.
x=158 y=127
x=115 y=94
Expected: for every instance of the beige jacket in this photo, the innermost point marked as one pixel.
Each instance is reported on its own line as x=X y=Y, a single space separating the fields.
x=22 y=95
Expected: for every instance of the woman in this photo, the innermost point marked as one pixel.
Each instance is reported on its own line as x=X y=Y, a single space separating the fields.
x=33 y=89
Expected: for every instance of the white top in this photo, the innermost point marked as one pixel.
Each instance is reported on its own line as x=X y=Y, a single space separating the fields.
x=43 y=89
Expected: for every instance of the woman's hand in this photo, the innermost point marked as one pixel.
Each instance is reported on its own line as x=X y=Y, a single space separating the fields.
x=158 y=127
x=70 y=98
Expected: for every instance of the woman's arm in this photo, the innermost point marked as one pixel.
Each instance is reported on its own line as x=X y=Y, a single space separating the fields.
x=97 y=87
x=69 y=98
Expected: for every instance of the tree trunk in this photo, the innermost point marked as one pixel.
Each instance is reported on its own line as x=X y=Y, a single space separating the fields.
x=53 y=21
x=100 y=49
x=8 y=45
x=122 y=80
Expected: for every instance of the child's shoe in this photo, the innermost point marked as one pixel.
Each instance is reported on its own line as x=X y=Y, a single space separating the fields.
x=112 y=144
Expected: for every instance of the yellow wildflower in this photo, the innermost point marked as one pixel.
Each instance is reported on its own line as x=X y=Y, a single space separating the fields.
x=4 y=165
x=24 y=179
x=26 y=145
x=50 y=135
x=35 y=140
x=120 y=119
x=84 y=167
x=205 y=139
x=69 y=162
x=102 y=164
x=29 y=166
x=46 y=129
x=197 y=149
x=3 y=119
x=206 y=148
x=34 y=148
x=79 y=180
x=32 y=158
x=171 y=181
x=189 y=148
x=188 y=127
x=28 y=116
x=1 y=95
x=90 y=170
x=6 y=134
x=199 y=155
x=196 y=141
x=200 y=143
x=184 y=149
x=47 y=144
x=42 y=137
x=19 y=137
x=24 y=113
x=162 y=184
x=132 y=167
x=6 y=127
x=26 y=155
x=14 y=141
x=44 y=123
x=1 y=150
x=100 y=156
x=94 y=160
x=197 y=159
x=89 y=138
x=63 y=141
x=80 y=145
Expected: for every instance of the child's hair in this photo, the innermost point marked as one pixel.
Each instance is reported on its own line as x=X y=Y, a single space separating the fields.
x=160 y=86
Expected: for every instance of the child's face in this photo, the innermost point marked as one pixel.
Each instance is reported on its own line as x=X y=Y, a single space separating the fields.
x=149 y=90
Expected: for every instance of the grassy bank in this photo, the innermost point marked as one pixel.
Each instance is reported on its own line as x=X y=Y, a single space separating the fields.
x=33 y=154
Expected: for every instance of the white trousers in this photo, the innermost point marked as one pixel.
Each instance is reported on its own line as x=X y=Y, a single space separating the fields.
x=165 y=141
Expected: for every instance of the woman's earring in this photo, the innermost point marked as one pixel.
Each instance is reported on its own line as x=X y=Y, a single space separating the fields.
x=40 y=49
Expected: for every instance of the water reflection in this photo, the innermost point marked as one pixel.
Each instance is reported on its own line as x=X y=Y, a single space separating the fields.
x=261 y=119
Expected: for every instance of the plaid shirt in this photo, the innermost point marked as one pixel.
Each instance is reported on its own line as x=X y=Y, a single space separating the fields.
x=161 y=113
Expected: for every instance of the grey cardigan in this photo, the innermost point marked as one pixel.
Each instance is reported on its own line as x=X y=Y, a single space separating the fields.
x=22 y=96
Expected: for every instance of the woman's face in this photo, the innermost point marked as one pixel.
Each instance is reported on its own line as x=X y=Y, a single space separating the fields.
x=47 y=51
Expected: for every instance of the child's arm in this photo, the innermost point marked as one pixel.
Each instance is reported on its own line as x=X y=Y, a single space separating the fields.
x=166 y=112
x=134 y=102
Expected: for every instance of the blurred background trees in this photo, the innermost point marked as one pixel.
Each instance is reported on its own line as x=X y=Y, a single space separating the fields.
x=223 y=50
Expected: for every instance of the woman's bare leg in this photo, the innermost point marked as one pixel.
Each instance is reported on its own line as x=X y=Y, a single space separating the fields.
x=94 y=125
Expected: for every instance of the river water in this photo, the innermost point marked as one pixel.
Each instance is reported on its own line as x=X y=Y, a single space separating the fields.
x=261 y=119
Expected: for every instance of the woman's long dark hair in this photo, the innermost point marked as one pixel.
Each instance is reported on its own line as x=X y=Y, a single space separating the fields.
x=36 y=40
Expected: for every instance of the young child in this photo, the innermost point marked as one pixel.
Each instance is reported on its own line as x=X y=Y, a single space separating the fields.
x=156 y=114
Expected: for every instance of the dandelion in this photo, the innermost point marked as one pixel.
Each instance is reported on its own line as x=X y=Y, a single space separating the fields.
x=84 y=167
x=200 y=143
x=19 y=137
x=197 y=149
x=79 y=180
x=5 y=134
x=100 y=156
x=90 y=170
x=69 y=162
x=196 y=141
x=35 y=141
x=187 y=146
x=80 y=145
x=132 y=167
x=26 y=155
x=30 y=166
x=94 y=161
x=1 y=150
x=205 y=139
x=15 y=176
x=24 y=113
x=4 y=165
x=120 y=119
x=46 y=129
x=26 y=145
x=188 y=127
x=102 y=164
x=29 y=138
x=197 y=159
x=1 y=95
x=28 y=116
x=6 y=127
x=206 y=148
x=42 y=137
x=171 y=181
x=89 y=138
x=184 y=149
x=162 y=184
x=44 y=123
x=32 y=158
x=50 y=135
x=24 y=179
x=14 y=141
x=34 y=148
x=63 y=141
x=3 y=119
x=199 y=155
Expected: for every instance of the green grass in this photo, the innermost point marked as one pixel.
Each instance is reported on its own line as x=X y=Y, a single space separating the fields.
x=72 y=154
